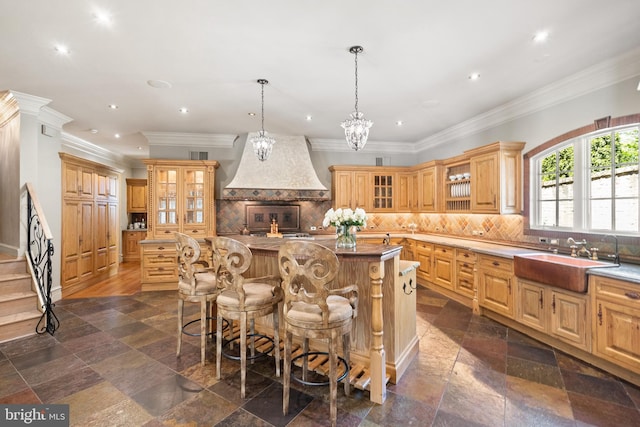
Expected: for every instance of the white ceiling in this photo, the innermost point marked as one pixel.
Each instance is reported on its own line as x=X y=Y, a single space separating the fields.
x=417 y=57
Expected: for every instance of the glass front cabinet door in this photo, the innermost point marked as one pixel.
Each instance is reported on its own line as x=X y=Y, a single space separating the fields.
x=181 y=195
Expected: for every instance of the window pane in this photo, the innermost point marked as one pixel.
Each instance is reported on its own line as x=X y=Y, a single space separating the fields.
x=601 y=152
x=626 y=181
x=565 y=217
x=600 y=214
x=600 y=183
x=548 y=214
x=627 y=215
x=548 y=169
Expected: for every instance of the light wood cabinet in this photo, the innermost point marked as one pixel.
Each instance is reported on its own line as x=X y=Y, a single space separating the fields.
x=350 y=189
x=181 y=198
x=443 y=266
x=77 y=180
x=383 y=185
x=407 y=194
x=556 y=312
x=136 y=195
x=77 y=242
x=616 y=323
x=495 y=284
x=465 y=273
x=131 y=245
x=90 y=222
x=429 y=187
x=496 y=171
x=424 y=254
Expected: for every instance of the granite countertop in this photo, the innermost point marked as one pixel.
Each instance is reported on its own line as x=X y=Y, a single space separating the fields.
x=626 y=272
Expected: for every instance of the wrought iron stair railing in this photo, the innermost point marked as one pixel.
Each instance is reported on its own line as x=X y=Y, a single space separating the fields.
x=39 y=253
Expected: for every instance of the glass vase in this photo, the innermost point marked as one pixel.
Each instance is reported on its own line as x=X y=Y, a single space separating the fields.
x=346 y=237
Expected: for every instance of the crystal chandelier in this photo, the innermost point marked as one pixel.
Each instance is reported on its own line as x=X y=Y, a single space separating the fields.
x=263 y=143
x=356 y=128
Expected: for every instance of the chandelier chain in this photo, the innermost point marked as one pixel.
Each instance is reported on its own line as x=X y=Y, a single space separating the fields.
x=262 y=86
x=356 y=54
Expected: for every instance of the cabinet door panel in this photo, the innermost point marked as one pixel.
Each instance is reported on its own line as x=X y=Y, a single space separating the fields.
x=569 y=318
x=618 y=334
x=495 y=290
x=531 y=307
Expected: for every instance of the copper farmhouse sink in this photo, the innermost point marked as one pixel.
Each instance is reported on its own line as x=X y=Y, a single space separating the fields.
x=556 y=270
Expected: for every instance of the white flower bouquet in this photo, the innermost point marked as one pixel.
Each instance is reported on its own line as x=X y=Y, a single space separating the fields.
x=346 y=217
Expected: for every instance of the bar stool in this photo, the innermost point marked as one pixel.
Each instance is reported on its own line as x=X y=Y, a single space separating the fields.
x=314 y=307
x=244 y=299
x=197 y=283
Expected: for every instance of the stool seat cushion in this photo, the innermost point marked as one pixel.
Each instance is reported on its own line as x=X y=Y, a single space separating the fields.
x=304 y=314
x=206 y=283
x=255 y=294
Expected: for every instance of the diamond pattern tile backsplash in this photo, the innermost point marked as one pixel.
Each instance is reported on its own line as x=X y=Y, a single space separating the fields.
x=494 y=228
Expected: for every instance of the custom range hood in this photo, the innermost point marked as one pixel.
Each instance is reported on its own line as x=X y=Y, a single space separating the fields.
x=288 y=174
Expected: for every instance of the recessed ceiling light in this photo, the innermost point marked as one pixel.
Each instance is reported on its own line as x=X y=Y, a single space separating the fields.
x=62 y=49
x=399 y=123
x=638 y=85
x=94 y=131
x=117 y=135
x=102 y=18
x=252 y=114
x=159 y=84
x=184 y=110
x=474 y=76
x=139 y=147
x=113 y=106
x=541 y=36
x=309 y=118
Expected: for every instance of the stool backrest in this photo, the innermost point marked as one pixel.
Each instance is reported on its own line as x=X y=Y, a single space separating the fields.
x=230 y=259
x=307 y=269
x=188 y=252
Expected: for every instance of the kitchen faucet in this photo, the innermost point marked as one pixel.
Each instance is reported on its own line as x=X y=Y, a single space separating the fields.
x=615 y=255
x=386 y=240
x=582 y=251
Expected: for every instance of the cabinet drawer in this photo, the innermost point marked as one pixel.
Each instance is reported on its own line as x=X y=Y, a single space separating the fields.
x=155 y=260
x=466 y=256
x=490 y=262
x=615 y=290
x=423 y=246
x=160 y=274
x=443 y=251
x=167 y=248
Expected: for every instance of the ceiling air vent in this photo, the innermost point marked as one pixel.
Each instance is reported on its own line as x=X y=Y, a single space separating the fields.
x=198 y=155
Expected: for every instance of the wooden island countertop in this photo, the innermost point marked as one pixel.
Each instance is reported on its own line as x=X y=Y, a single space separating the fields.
x=384 y=338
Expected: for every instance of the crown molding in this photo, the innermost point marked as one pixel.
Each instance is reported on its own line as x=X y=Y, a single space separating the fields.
x=86 y=147
x=30 y=104
x=190 y=139
x=53 y=118
x=340 y=145
x=589 y=80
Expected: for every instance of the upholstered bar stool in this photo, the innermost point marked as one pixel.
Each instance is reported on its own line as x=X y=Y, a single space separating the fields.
x=315 y=307
x=243 y=299
x=197 y=283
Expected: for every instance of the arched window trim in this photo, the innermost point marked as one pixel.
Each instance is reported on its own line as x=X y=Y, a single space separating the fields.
x=597 y=125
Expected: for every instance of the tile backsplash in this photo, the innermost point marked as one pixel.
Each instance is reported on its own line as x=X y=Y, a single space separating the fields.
x=494 y=228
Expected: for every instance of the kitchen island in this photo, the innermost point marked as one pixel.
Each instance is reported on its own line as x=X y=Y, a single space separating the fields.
x=384 y=338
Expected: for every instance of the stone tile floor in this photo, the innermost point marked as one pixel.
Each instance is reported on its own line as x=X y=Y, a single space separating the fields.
x=113 y=360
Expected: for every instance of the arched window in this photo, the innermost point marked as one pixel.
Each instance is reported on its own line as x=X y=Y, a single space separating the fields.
x=586 y=180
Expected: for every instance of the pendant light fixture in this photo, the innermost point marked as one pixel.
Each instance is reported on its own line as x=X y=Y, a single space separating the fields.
x=356 y=128
x=263 y=143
